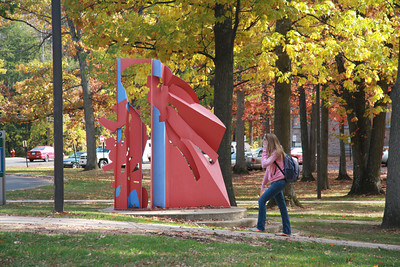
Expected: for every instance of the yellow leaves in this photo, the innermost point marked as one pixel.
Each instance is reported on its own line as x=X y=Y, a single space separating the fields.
x=349 y=85
x=315 y=35
x=34 y=95
x=269 y=42
x=349 y=70
x=354 y=119
x=283 y=77
x=136 y=92
x=300 y=6
x=377 y=93
x=326 y=7
x=302 y=81
x=290 y=50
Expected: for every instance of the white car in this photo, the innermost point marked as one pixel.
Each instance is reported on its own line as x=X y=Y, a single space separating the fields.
x=147 y=151
x=385 y=155
x=102 y=157
x=247 y=147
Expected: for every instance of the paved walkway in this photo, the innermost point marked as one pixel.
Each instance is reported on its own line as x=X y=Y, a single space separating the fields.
x=70 y=225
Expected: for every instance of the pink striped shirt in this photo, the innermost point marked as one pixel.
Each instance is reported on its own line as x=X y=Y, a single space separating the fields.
x=272 y=172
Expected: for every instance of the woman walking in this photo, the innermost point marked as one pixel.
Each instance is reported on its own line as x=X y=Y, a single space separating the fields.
x=272 y=156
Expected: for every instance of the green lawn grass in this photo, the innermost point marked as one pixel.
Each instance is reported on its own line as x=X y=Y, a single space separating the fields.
x=91 y=249
x=98 y=249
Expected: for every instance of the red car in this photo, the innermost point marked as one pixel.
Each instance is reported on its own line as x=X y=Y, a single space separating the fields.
x=297 y=152
x=40 y=152
x=254 y=161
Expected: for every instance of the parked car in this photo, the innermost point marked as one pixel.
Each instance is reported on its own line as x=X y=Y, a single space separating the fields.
x=385 y=155
x=254 y=161
x=233 y=159
x=72 y=161
x=246 y=147
x=297 y=152
x=147 y=151
x=247 y=156
x=40 y=152
x=102 y=155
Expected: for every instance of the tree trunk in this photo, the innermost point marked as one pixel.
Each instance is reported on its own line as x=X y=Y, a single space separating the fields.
x=282 y=104
x=266 y=117
x=313 y=137
x=223 y=90
x=87 y=99
x=318 y=119
x=358 y=125
x=372 y=182
x=366 y=139
x=324 y=144
x=391 y=216
x=283 y=91
x=307 y=174
x=240 y=165
x=342 y=165
x=251 y=133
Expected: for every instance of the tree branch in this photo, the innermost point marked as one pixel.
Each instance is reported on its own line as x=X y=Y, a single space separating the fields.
x=236 y=20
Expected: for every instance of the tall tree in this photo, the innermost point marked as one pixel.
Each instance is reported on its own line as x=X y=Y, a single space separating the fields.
x=360 y=126
x=81 y=57
x=240 y=164
x=352 y=29
x=224 y=34
x=363 y=59
x=313 y=135
x=319 y=158
x=342 y=165
x=323 y=153
x=391 y=216
x=307 y=173
x=283 y=89
x=19 y=44
x=36 y=15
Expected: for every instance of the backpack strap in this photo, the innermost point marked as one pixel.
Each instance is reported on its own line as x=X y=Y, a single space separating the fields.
x=279 y=168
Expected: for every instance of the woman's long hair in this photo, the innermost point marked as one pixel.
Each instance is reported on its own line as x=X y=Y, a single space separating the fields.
x=273 y=144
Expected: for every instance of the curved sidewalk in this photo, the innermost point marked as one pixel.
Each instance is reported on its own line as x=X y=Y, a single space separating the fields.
x=12 y=223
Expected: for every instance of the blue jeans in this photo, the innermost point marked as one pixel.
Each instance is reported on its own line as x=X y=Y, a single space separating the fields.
x=274 y=191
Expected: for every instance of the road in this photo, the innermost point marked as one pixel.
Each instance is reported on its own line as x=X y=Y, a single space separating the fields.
x=22 y=162
x=18 y=182
x=14 y=182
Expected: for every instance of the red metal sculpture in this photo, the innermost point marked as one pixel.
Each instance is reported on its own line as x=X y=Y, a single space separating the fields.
x=183 y=133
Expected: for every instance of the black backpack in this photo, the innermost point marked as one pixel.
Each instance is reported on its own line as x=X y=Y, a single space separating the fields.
x=291 y=169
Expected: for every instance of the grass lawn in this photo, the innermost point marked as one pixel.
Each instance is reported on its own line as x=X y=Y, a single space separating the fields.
x=91 y=249
x=352 y=220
